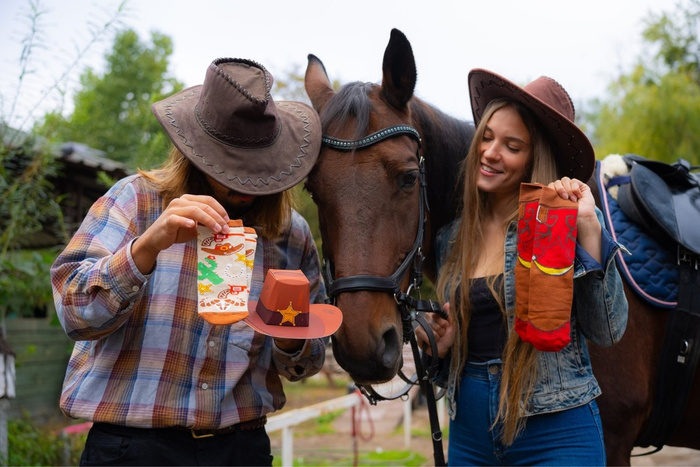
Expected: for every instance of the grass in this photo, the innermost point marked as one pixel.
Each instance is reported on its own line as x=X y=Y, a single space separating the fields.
x=340 y=457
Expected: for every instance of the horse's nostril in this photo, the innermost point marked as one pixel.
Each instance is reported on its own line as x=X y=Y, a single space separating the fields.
x=391 y=348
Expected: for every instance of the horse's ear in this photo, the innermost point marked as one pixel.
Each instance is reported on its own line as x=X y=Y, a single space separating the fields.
x=398 y=71
x=316 y=82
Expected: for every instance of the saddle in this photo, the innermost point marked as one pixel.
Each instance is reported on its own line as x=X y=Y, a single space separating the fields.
x=664 y=199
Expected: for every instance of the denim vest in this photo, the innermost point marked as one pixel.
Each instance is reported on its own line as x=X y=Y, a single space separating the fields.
x=599 y=313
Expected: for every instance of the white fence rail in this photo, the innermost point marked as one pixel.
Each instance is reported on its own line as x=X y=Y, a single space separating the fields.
x=286 y=421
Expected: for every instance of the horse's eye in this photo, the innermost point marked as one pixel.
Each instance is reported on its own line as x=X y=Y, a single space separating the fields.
x=408 y=179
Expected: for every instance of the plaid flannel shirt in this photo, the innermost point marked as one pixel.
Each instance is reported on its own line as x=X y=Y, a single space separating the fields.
x=142 y=356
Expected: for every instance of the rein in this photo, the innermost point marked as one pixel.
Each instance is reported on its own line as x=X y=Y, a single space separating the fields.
x=409 y=306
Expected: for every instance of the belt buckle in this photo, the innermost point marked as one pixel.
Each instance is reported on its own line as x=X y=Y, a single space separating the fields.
x=196 y=436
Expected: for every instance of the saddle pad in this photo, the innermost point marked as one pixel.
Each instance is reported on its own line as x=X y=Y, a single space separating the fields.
x=651 y=269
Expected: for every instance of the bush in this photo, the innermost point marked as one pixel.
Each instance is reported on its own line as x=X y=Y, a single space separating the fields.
x=32 y=445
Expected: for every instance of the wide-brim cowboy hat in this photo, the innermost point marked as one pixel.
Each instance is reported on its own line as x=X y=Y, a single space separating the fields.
x=231 y=129
x=283 y=309
x=552 y=105
x=324 y=320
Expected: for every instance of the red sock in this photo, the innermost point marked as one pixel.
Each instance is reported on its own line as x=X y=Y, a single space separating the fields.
x=552 y=272
x=527 y=210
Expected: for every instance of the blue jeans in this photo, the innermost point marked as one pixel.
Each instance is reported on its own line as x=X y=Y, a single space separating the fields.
x=570 y=437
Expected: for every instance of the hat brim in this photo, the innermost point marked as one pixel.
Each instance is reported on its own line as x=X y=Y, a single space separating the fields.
x=253 y=171
x=574 y=155
x=324 y=320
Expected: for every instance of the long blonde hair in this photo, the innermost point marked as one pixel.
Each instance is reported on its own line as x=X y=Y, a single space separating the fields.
x=271 y=214
x=519 y=358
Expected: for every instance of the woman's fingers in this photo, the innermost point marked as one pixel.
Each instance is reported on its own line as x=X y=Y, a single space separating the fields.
x=569 y=188
x=202 y=209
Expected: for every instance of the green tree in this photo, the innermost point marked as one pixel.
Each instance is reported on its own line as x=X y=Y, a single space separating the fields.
x=112 y=111
x=654 y=111
x=28 y=205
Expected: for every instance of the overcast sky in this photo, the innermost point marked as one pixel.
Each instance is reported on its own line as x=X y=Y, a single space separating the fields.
x=582 y=44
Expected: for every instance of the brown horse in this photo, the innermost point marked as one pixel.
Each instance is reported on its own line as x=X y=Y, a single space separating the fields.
x=368 y=201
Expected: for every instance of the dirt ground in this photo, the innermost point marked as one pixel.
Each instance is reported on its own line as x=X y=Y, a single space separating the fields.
x=380 y=428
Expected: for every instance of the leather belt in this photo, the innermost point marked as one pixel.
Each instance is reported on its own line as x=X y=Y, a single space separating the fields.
x=237 y=428
x=248 y=425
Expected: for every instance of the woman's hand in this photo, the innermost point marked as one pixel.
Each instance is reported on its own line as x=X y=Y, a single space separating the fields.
x=178 y=224
x=587 y=223
x=577 y=191
x=443 y=330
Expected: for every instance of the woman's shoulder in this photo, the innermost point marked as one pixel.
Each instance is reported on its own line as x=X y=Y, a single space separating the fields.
x=447 y=232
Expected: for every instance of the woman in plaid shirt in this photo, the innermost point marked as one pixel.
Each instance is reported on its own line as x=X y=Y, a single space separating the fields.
x=162 y=385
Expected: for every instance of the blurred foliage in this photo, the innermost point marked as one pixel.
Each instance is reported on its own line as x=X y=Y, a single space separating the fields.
x=113 y=110
x=29 y=206
x=27 y=201
x=29 y=444
x=654 y=110
x=25 y=284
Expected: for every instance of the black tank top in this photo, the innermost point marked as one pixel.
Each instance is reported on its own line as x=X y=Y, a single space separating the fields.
x=487 y=330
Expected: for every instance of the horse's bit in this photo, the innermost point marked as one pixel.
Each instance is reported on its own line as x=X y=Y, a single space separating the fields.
x=408 y=305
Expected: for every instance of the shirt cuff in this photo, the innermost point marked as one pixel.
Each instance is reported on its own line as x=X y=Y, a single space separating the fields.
x=127 y=280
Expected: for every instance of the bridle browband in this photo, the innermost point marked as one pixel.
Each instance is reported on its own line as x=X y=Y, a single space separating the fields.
x=390 y=284
x=407 y=304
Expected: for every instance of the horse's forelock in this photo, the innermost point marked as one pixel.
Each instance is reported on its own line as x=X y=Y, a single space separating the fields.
x=351 y=102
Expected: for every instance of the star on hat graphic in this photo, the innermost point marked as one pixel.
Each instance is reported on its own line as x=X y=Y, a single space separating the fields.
x=288 y=314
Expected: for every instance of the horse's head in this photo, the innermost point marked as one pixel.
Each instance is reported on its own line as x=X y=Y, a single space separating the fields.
x=370 y=190
x=368 y=205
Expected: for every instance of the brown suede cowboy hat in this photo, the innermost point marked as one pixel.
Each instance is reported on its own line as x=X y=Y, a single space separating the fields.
x=550 y=102
x=231 y=129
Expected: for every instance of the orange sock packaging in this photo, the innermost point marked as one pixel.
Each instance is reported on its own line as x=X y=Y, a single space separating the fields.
x=527 y=212
x=225 y=265
x=551 y=285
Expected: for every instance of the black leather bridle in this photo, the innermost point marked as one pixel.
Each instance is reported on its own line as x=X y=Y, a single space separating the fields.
x=413 y=260
x=407 y=304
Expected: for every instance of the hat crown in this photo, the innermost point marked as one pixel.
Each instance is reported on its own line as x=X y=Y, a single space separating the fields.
x=553 y=94
x=285 y=298
x=235 y=105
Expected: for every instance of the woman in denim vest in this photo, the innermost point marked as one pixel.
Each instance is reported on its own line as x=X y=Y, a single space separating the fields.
x=520 y=389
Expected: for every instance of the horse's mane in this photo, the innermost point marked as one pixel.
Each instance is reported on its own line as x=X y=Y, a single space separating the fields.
x=445 y=142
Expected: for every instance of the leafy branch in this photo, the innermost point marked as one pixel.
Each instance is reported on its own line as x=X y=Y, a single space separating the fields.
x=33 y=39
